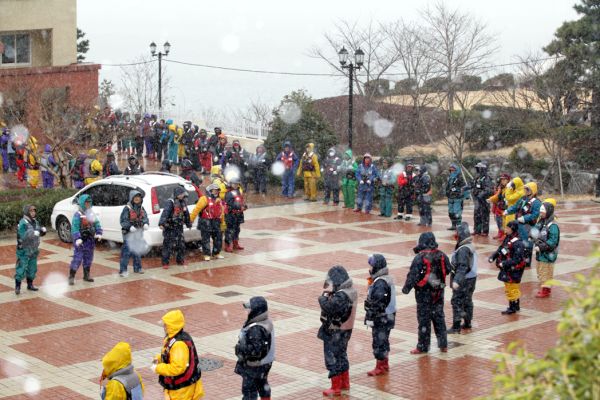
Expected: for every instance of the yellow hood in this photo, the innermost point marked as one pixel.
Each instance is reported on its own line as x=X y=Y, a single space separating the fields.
x=93 y=153
x=551 y=201
x=215 y=170
x=533 y=187
x=310 y=147
x=518 y=183
x=117 y=358
x=174 y=322
x=172 y=128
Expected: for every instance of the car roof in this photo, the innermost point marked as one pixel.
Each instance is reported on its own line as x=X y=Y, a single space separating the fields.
x=148 y=178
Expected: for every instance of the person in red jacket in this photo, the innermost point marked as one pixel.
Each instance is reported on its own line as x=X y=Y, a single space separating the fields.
x=406 y=193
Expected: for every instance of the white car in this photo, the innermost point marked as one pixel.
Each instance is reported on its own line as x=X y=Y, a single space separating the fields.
x=111 y=194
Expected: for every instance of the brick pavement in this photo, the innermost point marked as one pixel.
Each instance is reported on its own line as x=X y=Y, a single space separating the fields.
x=52 y=341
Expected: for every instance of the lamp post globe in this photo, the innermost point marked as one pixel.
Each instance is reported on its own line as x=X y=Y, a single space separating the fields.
x=343 y=56
x=153 y=48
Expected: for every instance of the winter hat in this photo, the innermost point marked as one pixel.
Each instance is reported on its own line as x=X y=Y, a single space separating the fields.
x=426 y=241
x=257 y=305
x=514 y=225
x=378 y=262
x=335 y=277
x=48 y=148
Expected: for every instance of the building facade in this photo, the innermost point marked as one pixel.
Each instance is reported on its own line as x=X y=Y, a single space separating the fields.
x=39 y=73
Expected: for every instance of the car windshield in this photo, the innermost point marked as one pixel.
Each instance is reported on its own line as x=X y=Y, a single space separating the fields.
x=165 y=192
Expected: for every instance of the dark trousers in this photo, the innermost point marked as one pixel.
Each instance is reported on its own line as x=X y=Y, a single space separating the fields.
x=173 y=239
x=462 y=301
x=255 y=382
x=210 y=229
x=430 y=310
x=381 y=338
x=232 y=232
x=139 y=146
x=260 y=181
x=332 y=189
x=425 y=211
x=126 y=254
x=83 y=254
x=335 y=350
x=481 y=216
x=158 y=149
x=405 y=203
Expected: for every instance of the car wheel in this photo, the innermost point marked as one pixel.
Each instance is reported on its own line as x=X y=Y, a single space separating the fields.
x=63 y=227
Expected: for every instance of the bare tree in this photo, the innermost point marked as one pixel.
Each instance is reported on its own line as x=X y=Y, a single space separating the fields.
x=140 y=86
x=412 y=49
x=458 y=44
x=372 y=39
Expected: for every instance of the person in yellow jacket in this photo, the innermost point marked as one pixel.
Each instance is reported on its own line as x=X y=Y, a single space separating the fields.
x=123 y=381
x=309 y=167
x=92 y=168
x=514 y=191
x=180 y=145
x=32 y=163
x=177 y=366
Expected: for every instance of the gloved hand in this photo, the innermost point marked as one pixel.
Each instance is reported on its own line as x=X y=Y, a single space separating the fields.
x=536 y=249
x=153 y=367
x=362 y=182
x=369 y=323
x=490 y=260
x=405 y=290
x=98 y=237
x=78 y=242
x=44 y=230
x=521 y=220
x=146 y=227
x=132 y=229
x=455 y=286
x=335 y=172
x=36 y=233
x=368 y=182
x=505 y=212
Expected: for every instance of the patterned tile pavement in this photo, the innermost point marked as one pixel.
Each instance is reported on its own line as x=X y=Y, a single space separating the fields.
x=52 y=341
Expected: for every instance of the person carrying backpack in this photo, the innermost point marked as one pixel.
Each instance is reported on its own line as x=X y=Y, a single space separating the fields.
x=124 y=382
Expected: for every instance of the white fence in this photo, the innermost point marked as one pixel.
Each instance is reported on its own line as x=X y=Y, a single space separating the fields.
x=244 y=129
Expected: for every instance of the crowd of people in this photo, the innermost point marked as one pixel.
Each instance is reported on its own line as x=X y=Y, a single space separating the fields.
x=526 y=226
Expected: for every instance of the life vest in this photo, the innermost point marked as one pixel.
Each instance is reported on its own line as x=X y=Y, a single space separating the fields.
x=389 y=280
x=432 y=277
x=348 y=323
x=544 y=231
x=130 y=382
x=269 y=357
x=136 y=218
x=238 y=203
x=86 y=228
x=29 y=242
x=192 y=373
x=307 y=163
x=288 y=159
x=506 y=251
x=213 y=209
x=527 y=209
x=472 y=272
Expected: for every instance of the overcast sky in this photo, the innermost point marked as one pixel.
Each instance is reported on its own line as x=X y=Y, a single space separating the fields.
x=276 y=35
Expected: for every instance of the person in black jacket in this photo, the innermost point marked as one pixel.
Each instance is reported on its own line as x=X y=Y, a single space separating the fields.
x=427 y=275
x=510 y=259
x=255 y=350
x=133 y=167
x=187 y=173
x=463 y=276
x=338 y=312
x=110 y=167
x=166 y=165
x=481 y=189
x=380 y=307
x=422 y=188
x=174 y=216
x=234 y=215
x=134 y=220
x=455 y=192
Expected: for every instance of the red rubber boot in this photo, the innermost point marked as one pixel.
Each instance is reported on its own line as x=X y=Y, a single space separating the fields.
x=336 y=387
x=378 y=370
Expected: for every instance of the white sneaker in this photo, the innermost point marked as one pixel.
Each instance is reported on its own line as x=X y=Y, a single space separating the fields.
x=218 y=257
x=206 y=258
x=124 y=274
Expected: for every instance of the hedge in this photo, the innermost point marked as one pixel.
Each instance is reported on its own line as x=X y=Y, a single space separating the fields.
x=13 y=201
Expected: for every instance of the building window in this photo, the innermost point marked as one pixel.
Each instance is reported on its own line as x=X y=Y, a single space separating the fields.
x=17 y=49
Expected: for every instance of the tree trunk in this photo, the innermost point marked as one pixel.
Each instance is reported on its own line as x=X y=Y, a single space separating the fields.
x=595 y=108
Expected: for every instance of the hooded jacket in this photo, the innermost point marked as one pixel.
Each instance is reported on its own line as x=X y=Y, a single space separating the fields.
x=26 y=238
x=380 y=304
x=429 y=268
x=514 y=191
x=464 y=257
x=348 y=166
x=331 y=165
x=456 y=184
x=82 y=227
x=528 y=208
x=338 y=304
x=510 y=256
x=288 y=158
x=122 y=378
x=366 y=175
x=178 y=357
x=256 y=343
x=133 y=214
x=175 y=214
x=309 y=164
x=482 y=187
x=548 y=236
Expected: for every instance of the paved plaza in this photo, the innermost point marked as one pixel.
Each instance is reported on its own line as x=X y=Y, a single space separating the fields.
x=53 y=340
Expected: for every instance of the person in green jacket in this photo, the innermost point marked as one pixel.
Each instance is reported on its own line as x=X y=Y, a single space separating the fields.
x=348 y=170
x=546 y=237
x=28 y=243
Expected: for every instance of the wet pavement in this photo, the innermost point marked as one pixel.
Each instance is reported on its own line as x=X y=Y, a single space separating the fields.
x=53 y=340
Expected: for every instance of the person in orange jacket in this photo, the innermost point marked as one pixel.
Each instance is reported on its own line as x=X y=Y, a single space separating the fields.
x=178 y=366
x=210 y=209
x=498 y=201
x=311 y=171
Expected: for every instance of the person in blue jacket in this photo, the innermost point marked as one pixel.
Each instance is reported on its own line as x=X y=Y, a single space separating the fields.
x=455 y=192
x=134 y=220
x=527 y=213
x=85 y=229
x=366 y=174
x=290 y=163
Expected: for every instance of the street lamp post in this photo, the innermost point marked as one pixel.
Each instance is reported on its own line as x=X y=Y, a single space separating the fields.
x=359 y=58
x=160 y=54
